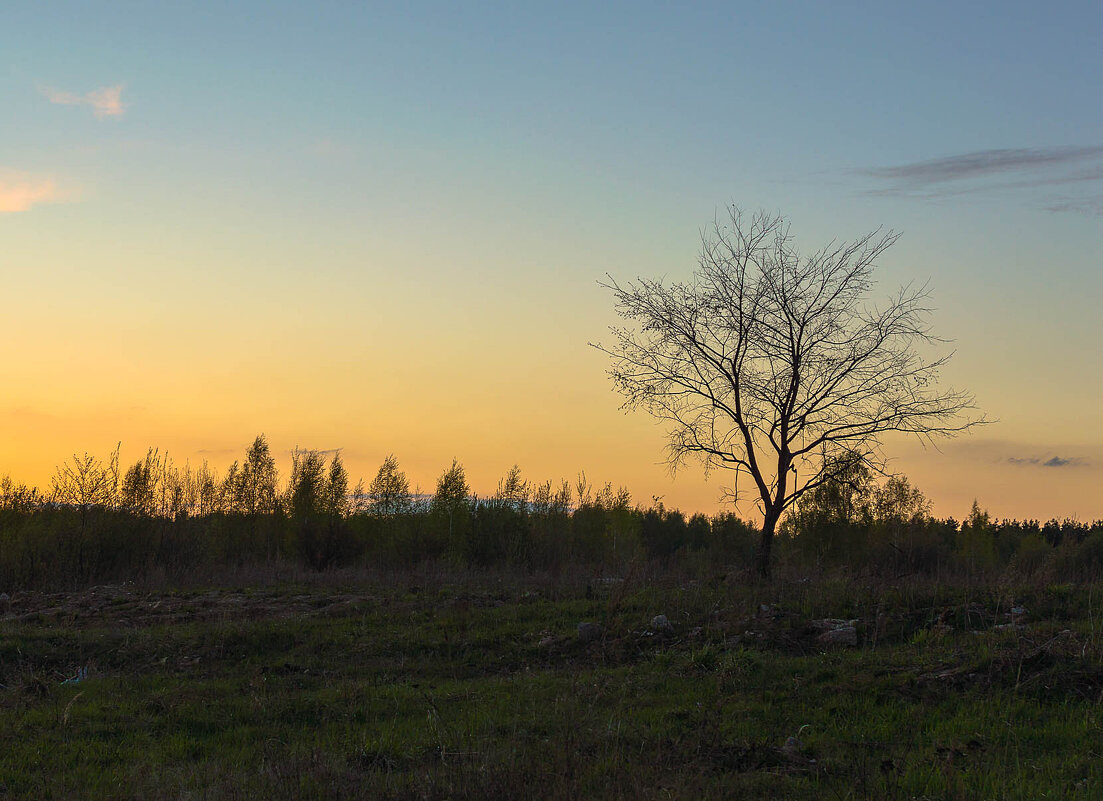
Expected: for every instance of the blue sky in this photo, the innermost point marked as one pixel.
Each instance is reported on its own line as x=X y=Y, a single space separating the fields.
x=346 y=190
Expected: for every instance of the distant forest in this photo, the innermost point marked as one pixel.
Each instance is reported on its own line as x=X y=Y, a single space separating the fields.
x=154 y=520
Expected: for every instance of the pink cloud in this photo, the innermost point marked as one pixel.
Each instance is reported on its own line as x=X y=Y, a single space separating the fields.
x=105 y=102
x=19 y=192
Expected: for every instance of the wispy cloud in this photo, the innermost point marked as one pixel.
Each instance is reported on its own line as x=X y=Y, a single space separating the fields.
x=21 y=192
x=1085 y=454
x=983 y=163
x=1053 y=461
x=1092 y=208
x=1078 y=170
x=106 y=101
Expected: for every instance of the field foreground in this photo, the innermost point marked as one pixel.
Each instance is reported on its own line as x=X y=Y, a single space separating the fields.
x=436 y=686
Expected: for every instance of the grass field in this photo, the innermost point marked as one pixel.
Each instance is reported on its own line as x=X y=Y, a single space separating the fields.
x=479 y=686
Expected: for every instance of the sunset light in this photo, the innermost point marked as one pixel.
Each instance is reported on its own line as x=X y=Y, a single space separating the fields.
x=551 y=400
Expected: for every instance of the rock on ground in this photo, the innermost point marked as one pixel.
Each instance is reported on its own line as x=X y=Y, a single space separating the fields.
x=589 y=632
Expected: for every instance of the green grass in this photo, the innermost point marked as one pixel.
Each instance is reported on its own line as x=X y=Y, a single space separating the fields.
x=479 y=690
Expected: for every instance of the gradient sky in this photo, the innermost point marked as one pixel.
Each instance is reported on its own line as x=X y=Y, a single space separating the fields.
x=380 y=227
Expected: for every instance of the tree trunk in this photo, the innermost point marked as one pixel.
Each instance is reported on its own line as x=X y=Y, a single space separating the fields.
x=766 y=542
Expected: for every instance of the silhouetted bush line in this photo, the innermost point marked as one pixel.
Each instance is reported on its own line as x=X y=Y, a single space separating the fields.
x=98 y=524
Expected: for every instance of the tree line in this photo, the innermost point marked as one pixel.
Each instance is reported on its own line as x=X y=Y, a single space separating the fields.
x=99 y=521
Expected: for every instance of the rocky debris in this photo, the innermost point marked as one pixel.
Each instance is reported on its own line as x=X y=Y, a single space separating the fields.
x=589 y=632
x=776 y=627
x=833 y=624
x=835 y=631
x=661 y=625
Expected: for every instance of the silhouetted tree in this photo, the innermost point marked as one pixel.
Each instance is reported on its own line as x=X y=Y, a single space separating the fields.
x=86 y=483
x=306 y=490
x=305 y=502
x=845 y=499
x=976 y=542
x=206 y=481
x=513 y=491
x=897 y=501
x=774 y=365
x=18 y=497
x=452 y=489
x=389 y=491
x=698 y=532
x=258 y=479
x=547 y=500
x=140 y=484
x=450 y=502
x=337 y=489
x=200 y=490
x=662 y=532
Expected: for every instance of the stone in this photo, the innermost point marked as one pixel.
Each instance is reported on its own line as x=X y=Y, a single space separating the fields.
x=832 y=623
x=589 y=632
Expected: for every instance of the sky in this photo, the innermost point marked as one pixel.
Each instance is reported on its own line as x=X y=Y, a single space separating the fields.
x=381 y=227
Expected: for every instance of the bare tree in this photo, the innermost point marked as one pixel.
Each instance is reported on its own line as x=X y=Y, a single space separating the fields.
x=86 y=483
x=778 y=366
